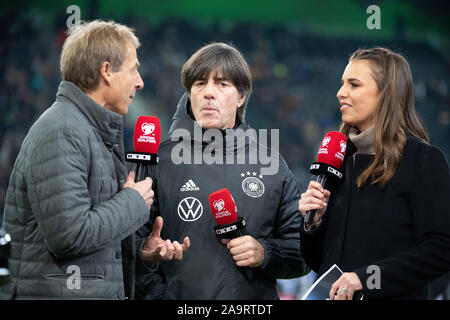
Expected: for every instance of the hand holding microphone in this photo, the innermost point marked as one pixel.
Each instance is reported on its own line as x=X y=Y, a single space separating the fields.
x=314 y=198
x=313 y=203
x=144 y=188
x=245 y=250
x=147 y=136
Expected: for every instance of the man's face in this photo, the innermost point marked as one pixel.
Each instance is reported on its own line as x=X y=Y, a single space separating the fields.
x=124 y=83
x=215 y=102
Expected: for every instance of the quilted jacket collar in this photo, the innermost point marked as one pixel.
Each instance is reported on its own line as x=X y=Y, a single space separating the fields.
x=109 y=124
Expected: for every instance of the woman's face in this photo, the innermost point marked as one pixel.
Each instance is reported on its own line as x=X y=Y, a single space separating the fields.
x=359 y=95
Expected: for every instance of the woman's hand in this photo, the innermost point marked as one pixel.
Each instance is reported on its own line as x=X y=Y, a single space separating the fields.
x=315 y=198
x=345 y=287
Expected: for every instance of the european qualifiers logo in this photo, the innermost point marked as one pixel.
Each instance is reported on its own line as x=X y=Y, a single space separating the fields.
x=326 y=141
x=190 y=209
x=147 y=128
x=343 y=146
x=222 y=212
x=252 y=184
x=341 y=153
x=219 y=204
x=324 y=148
x=148 y=135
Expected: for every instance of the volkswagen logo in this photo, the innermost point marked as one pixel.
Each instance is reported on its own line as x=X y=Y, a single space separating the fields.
x=190 y=209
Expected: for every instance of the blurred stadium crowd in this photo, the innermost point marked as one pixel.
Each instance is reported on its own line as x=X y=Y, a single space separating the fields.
x=296 y=78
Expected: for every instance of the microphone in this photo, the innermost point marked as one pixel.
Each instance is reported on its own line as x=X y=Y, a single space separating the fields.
x=147 y=136
x=329 y=161
x=230 y=226
x=224 y=211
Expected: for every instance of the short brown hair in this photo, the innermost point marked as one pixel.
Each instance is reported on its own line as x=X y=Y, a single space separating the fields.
x=88 y=45
x=224 y=58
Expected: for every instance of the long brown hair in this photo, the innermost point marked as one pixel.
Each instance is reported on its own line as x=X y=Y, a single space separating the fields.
x=395 y=116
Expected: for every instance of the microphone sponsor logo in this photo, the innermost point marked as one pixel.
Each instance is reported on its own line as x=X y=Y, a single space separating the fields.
x=252 y=186
x=326 y=141
x=148 y=133
x=135 y=156
x=148 y=128
x=219 y=204
x=335 y=172
x=226 y=229
x=341 y=153
x=343 y=146
x=324 y=146
x=190 y=209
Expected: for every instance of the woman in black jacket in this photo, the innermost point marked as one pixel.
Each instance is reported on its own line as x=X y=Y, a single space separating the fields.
x=387 y=225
